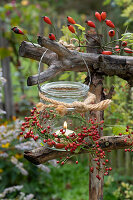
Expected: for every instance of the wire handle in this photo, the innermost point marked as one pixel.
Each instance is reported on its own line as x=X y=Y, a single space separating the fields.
x=39 y=69
x=89 y=74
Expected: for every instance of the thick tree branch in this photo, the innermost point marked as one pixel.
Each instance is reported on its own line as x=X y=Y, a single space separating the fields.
x=27 y=50
x=121 y=66
x=52 y=71
x=59 y=49
x=44 y=154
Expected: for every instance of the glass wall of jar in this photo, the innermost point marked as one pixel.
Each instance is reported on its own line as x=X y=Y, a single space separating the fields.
x=72 y=121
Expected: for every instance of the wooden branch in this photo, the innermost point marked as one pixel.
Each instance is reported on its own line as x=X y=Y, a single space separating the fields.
x=67 y=60
x=52 y=71
x=110 y=93
x=44 y=154
x=27 y=50
x=54 y=46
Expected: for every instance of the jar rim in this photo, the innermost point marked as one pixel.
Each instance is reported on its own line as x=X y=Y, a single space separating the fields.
x=66 y=89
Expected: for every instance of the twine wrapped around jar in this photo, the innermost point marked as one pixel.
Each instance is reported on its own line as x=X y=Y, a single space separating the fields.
x=81 y=107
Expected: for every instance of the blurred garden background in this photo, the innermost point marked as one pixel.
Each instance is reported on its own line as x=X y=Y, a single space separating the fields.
x=19 y=179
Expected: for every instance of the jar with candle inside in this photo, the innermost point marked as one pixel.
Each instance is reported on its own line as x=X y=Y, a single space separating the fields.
x=58 y=128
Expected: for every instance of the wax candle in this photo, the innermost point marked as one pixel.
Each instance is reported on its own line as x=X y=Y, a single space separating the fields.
x=67 y=131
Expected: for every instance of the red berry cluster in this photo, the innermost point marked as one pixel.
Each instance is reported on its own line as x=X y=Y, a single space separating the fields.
x=129 y=140
x=37 y=125
x=101 y=18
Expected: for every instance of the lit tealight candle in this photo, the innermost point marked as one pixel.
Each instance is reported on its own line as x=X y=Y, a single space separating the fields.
x=67 y=131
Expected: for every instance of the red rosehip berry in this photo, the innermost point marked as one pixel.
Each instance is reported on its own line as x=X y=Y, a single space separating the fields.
x=53 y=142
x=124 y=43
x=59 y=145
x=22 y=128
x=98 y=16
x=110 y=23
x=107 y=52
x=50 y=144
x=127 y=50
x=92 y=169
x=42 y=132
x=99 y=178
x=71 y=28
x=47 y=20
x=101 y=122
x=106 y=173
x=76 y=162
x=62 y=163
x=51 y=36
x=103 y=15
x=125 y=140
x=17 y=30
x=117 y=48
x=91 y=24
x=35 y=138
x=71 y=20
x=111 y=33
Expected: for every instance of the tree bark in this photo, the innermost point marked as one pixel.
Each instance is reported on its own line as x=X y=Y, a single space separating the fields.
x=68 y=60
x=96 y=87
x=44 y=154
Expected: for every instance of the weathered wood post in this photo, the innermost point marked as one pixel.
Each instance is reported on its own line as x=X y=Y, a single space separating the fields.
x=96 y=87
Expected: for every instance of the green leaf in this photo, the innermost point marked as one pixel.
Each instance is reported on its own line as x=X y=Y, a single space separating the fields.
x=119 y=129
x=64 y=76
x=80 y=27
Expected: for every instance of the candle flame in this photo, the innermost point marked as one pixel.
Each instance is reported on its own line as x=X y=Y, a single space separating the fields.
x=65 y=125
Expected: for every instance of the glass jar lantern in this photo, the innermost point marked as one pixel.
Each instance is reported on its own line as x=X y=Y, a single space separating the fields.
x=70 y=122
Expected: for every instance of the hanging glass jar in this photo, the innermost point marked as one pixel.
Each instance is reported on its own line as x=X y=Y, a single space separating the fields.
x=66 y=123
